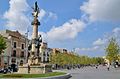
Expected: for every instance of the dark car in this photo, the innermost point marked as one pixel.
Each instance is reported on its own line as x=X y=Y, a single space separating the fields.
x=14 y=68
x=5 y=71
x=1 y=70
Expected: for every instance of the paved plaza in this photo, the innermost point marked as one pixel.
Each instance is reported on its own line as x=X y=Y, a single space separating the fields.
x=93 y=73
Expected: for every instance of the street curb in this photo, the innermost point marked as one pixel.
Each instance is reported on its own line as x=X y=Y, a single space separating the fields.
x=66 y=76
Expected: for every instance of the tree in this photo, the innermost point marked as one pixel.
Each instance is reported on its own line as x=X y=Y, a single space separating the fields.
x=64 y=59
x=112 y=50
x=2 y=44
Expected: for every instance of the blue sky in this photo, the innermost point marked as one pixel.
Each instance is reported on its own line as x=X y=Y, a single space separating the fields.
x=83 y=25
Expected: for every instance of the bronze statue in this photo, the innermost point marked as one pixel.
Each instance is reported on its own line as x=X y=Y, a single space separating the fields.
x=36 y=10
x=35 y=14
x=36 y=6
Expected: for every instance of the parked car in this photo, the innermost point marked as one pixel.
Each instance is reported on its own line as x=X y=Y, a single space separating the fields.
x=5 y=70
x=14 y=68
x=1 y=70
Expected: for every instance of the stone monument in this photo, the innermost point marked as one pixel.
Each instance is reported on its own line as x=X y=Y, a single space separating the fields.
x=34 y=60
x=34 y=55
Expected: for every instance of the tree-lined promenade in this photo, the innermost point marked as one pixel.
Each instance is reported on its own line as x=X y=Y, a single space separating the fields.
x=112 y=55
x=72 y=59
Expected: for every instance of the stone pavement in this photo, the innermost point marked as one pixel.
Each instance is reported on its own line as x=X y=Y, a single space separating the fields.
x=93 y=73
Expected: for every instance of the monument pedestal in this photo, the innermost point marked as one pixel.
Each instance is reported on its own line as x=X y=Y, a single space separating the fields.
x=36 y=69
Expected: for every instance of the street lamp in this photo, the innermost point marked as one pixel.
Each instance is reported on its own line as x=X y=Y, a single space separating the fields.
x=10 y=39
x=26 y=44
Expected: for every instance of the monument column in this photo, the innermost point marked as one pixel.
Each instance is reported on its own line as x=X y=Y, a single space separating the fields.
x=35 y=24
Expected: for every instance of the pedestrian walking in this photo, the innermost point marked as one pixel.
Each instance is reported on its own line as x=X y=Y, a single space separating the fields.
x=28 y=68
x=96 y=67
x=108 y=66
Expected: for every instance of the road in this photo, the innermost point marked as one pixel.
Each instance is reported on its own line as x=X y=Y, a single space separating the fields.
x=93 y=73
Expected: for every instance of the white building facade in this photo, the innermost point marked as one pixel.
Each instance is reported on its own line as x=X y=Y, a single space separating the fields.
x=44 y=53
x=17 y=48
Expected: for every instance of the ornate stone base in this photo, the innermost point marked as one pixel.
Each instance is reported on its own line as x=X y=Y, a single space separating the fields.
x=40 y=69
x=34 y=60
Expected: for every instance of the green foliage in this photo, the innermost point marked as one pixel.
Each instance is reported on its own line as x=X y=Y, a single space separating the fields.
x=2 y=44
x=32 y=75
x=71 y=58
x=112 y=50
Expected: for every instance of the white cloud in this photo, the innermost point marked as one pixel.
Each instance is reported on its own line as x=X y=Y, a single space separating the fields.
x=52 y=15
x=102 y=10
x=16 y=17
x=116 y=30
x=42 y=14
x=99 y=42
x=92 y=51
x=68 y=30
x=116 y=34
x=104 y=41
x=95 y=48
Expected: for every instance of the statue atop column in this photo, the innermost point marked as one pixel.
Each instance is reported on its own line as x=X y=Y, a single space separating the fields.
x=34 y=47
x=34 y=55
x=35 y=13
x=36 y=10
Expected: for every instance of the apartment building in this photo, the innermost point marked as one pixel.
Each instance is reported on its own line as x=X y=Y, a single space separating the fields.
x=17 y=48
x=59 y=50
x=44 y=52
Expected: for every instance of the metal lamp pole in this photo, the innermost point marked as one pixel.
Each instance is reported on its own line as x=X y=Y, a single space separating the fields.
x=10 y=38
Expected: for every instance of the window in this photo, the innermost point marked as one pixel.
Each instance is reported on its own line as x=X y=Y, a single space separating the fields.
x=43 y=59
x=47 y=54
x=21 y=63
x=14 y=53
x=14 y=44
x=13 y=60
x=22 y=46
x=28 y=54
x=44 y=54
x=47 y=59
x=22 y=54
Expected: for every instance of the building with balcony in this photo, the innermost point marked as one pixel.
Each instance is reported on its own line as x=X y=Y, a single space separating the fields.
x=45 y=52
x=17 y=47
x=59 y=50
